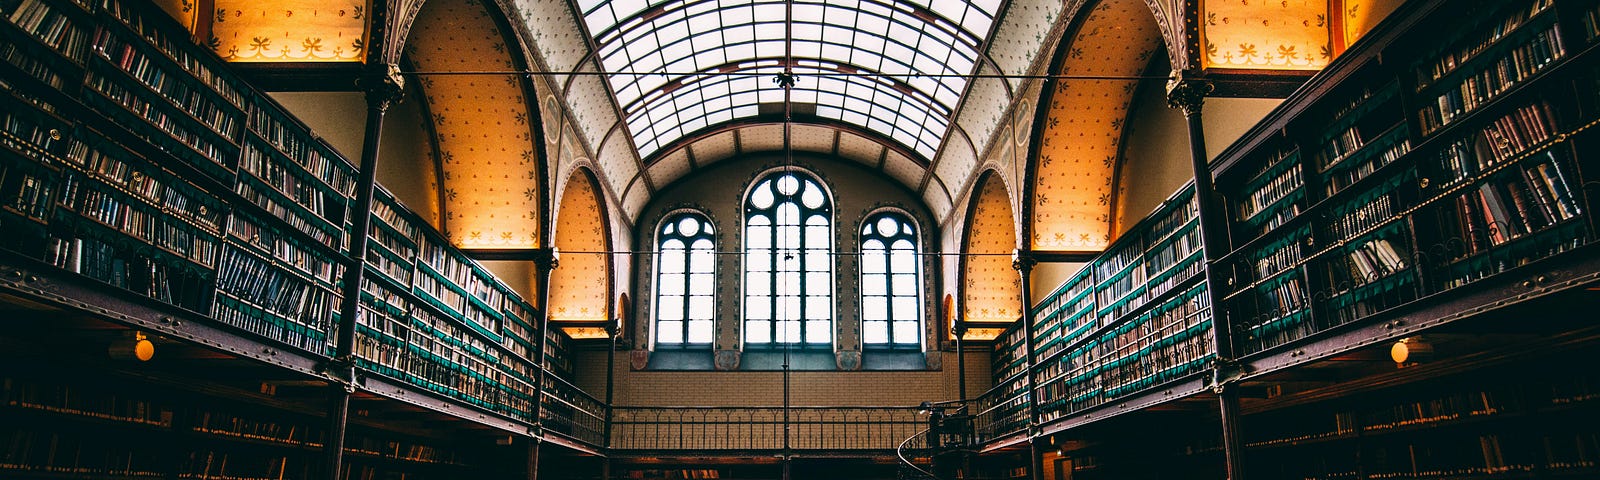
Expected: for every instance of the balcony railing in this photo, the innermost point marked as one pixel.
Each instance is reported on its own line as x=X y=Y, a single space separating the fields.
x=762 y=428
x=569 y=411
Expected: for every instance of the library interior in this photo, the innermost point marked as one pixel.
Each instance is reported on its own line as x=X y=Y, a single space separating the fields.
x=776 y=239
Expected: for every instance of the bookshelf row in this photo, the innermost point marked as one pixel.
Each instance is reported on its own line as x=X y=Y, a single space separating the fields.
x=74 y=429
x=1436 y=160
x=133 y=157
x=1135 y=318
x=1444 y=160
x=1535 y=424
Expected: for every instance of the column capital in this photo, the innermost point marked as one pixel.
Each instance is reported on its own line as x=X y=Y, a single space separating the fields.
x=546 y=258
x=383 y=84
x=1023 y=260
x=1187 y=91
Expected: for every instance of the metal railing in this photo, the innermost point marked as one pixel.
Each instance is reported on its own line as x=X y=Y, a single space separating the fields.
x=762 y=428
x=1001 y=411
x=570 y=411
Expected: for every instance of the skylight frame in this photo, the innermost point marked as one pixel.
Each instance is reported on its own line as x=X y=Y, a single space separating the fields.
x=902 y=66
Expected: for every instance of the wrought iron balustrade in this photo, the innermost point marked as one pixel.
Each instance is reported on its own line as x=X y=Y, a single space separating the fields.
x=762 y=428
x=570 y=411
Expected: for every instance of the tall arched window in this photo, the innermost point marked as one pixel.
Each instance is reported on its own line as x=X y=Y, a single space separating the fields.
x=891 y=300
x=685 y=307
x=788 y=261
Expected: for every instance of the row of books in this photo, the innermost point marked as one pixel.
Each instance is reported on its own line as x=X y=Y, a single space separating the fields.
x=1499 y=141
x=412 y=344
x=1280 y=256
x=130 y=267
x=198 y=102
x=30 y=65
x=258 y=427
x=155 y=122
x=1363 y=214
x=1366 y=262
x=37 y=452
x=142 y=222
x=25 y=191
x=462 y=273
x=282 y=295
x=296 y=144
x=1167 y=343
x=1512 y=68
x=1591 y=23
x=305 y=193
x=1276 y=313
x=50 y=26
x=1527 y=200
x=317 y=229
x=30 y=138
x=241 y=464
x=1394 y=144
x=284 y=250
x=1279 y=188
x=1450 y=60
x=204 y=67
x=93 y=403
x=156 y=187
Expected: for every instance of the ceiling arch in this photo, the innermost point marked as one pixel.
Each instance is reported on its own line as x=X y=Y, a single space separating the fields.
x=991 y=289
x=484 y=124
x=580 y=284
x=1081 y=125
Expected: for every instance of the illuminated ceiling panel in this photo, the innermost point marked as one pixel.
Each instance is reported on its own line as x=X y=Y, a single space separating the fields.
x=1279 y=35
x=680 y=66
x=289 y=30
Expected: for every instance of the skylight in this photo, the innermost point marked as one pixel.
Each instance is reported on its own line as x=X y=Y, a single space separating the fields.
x=680 y=66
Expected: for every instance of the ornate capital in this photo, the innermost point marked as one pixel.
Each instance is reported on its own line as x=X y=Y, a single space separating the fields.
x=546 y=259
x=1023 y=260
x=1187 y=92
x=384 y=86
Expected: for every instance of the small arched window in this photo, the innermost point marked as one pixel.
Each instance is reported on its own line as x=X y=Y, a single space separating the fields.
x=788 y=261
x=891 y=277
x=685 y=303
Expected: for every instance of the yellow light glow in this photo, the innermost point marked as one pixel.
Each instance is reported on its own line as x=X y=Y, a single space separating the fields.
x=982 y=334
x=290 y=30
x=1280 y=35
x=586 y=333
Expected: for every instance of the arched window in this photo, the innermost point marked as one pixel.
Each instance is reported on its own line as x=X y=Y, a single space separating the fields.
x=891 y=300
x=788 y=261
x=685 y=307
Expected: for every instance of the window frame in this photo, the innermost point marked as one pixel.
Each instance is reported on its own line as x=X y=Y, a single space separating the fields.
x=748 y=211
x=905 y=219
x=671 y=221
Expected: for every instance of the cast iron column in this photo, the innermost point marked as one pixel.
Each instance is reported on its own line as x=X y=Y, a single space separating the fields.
x=544 y=260
x=1023 y=261
x=384 y=87
x=1189 y=93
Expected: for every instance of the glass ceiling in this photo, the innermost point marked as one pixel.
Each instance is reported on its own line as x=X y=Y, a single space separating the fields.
x=682 y=65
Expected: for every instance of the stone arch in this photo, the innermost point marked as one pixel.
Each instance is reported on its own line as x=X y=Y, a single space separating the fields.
x=580 y=286
x=1068 y=199
x=991 y=291
x=487 y=128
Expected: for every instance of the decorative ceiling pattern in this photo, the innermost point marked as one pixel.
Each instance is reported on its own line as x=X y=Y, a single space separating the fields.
x=1360 y=16
x=937 y=197
x=289 y=30
x=1169 y=15
x=1023 y=32
x=486 y=145
x=1083 y=127
x=860 y=147
x=186 y=12
x=591 y=106
x=618 y=164
x=957 y=162
x=580 y=284
x=551 y=23
x=1276 y=35
x=992 y=289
